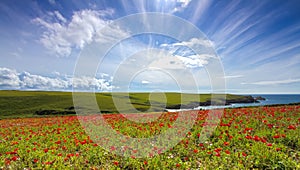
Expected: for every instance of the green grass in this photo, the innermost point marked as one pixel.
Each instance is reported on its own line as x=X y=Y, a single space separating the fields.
x=26 y=103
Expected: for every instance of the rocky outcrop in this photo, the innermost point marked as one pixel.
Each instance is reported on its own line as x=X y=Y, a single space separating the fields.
x=260 y=98
x=244 y=99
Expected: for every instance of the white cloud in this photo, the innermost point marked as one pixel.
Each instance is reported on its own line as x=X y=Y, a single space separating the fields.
x=30 y=81
x=145 y=82
x=196 y=42
x=193 y=43
x=11 y=79
x=233 y=76
x=60 y=36
x=194 y=61
x=89 y=83
x=275 y=82
x=184 y=51
x=180 y=5
x=60 y=17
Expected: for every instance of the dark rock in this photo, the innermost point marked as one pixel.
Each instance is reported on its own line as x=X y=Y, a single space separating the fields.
x=53 y=112
x=244 y=99
x=70 y=108
x=260 y=98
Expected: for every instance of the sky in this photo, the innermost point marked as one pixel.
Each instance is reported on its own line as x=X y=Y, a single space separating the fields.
x=199 y=46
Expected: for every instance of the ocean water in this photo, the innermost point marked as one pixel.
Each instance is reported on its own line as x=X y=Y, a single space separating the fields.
x=270 y=100
x=279 y=98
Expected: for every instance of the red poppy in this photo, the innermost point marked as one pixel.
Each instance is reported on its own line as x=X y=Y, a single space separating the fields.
x=248 y=137
x=256 y=138
x=227 y=152
x=226 y=143
x=14 y=158
x=112 y=148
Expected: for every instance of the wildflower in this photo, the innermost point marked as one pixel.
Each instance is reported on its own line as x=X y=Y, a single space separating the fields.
x=226 y=143
x=227 y=152
x=112 y=148
x=248 y=137
x=14 y=158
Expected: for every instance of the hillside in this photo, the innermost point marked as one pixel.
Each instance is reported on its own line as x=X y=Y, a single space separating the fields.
x=31 y=103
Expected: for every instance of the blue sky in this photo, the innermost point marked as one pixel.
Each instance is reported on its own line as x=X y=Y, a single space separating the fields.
x=257 y=42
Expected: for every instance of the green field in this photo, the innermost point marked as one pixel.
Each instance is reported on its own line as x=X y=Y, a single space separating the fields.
x=26 y=103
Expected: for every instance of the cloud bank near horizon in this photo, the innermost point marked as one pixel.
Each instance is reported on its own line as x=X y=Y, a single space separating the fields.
x=11 y=80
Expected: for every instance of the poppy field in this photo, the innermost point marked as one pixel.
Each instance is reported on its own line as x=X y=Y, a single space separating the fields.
x=245 y=138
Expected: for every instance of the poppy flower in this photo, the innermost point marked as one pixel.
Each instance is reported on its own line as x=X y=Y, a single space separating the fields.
x=14 y=158
x=226 y=143
x=248 y=137
x=227 y=152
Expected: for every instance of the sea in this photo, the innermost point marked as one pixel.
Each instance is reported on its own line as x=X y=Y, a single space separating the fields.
x=271 y=99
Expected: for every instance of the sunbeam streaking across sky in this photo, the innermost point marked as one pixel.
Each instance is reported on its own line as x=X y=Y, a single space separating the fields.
x=258 y=43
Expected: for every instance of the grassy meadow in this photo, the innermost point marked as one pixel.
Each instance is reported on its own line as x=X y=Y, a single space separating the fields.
x=26 y=103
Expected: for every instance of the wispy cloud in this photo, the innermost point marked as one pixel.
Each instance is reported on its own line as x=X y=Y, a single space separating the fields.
x=163 y=6
x=202 y=7
x=52 y=2
x=233 y=76
x=275 y=82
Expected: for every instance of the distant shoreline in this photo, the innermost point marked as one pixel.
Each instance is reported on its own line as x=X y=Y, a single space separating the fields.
x=243 y=106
